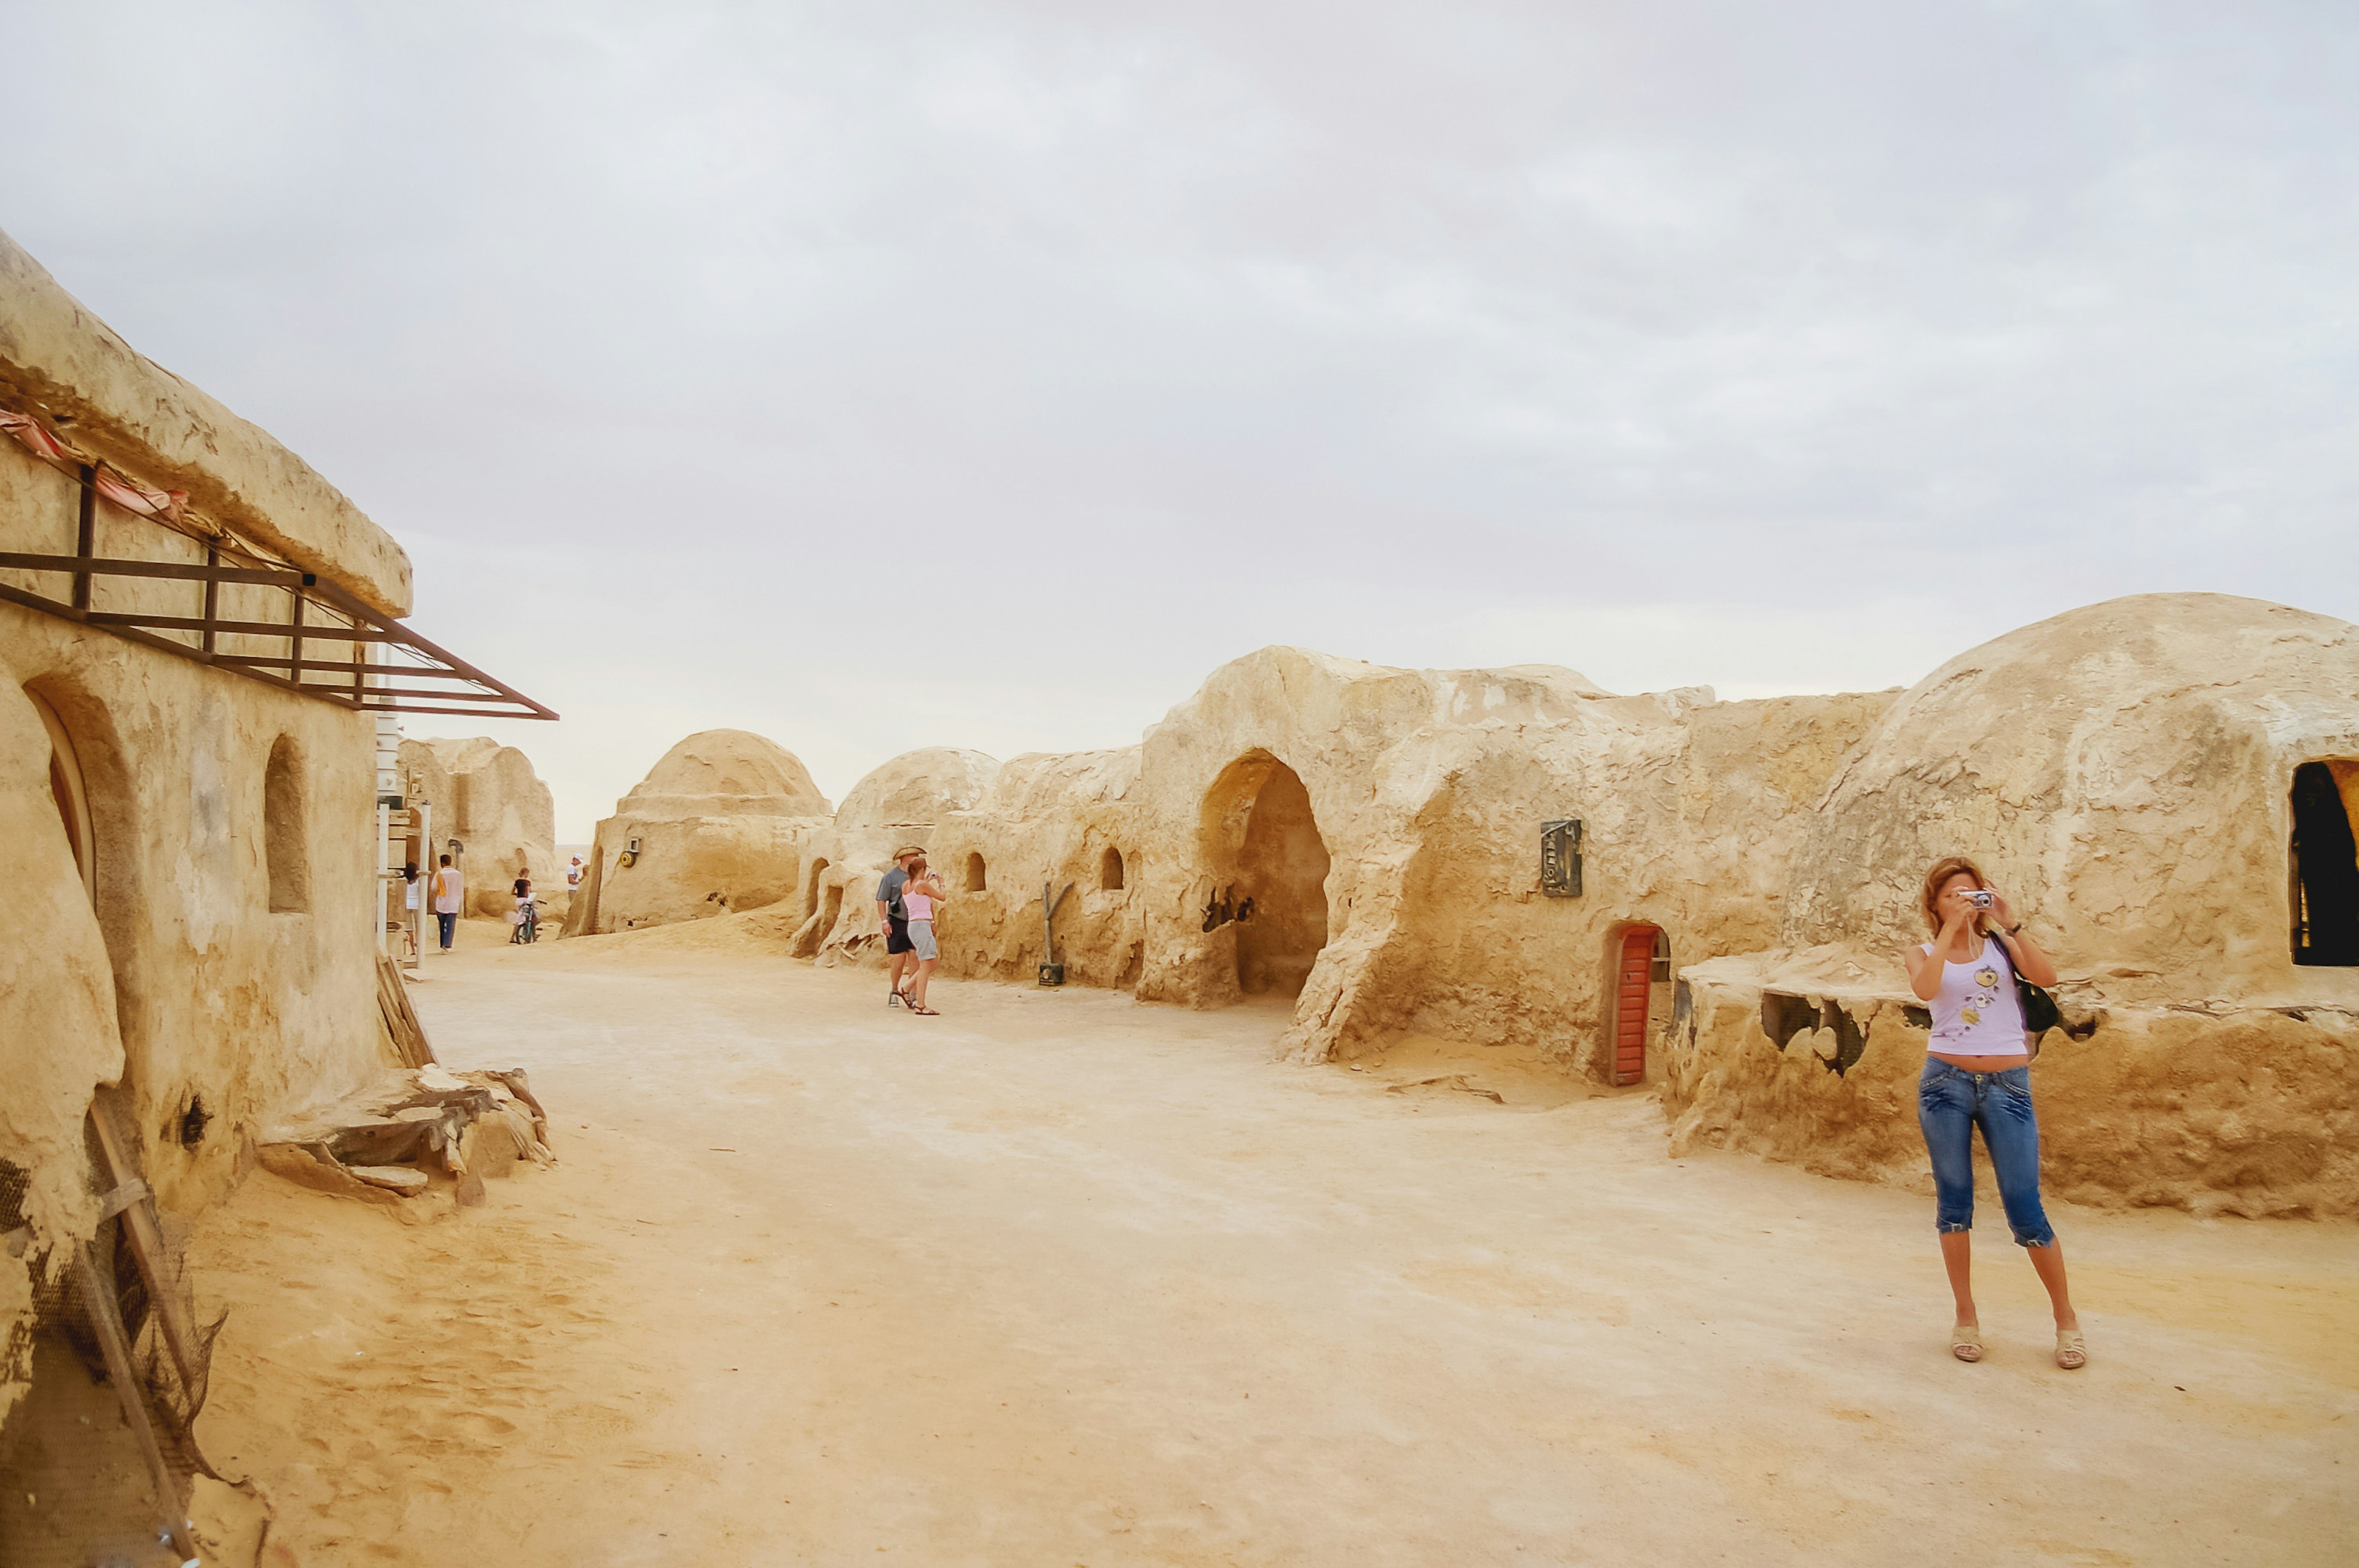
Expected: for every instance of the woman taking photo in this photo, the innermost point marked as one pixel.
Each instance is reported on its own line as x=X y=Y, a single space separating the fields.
x=1979 y=1075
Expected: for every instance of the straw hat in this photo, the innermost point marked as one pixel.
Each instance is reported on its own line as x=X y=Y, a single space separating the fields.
x=903 y=854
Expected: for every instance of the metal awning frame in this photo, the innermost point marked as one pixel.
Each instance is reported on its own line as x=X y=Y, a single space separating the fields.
x=320 y=611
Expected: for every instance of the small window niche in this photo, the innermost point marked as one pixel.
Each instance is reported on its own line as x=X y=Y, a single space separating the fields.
x=2325 y=864
x=975 y=880
x=286 y=829
x=1110 y=878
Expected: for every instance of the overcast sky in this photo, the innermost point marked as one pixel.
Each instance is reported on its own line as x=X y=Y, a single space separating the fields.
x=880 y=375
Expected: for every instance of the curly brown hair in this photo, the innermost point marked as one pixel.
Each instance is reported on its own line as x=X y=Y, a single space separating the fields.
x=1945 y=867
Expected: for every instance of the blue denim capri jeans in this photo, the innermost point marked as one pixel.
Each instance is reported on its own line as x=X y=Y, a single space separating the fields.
x=1952 y=1102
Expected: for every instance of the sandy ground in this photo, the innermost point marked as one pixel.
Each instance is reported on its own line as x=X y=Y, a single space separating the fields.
x=1055 y=1278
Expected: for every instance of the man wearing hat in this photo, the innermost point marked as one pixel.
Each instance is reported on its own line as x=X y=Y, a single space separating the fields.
x=895 y=918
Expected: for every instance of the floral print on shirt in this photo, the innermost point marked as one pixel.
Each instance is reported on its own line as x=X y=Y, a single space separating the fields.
x=1987 y=978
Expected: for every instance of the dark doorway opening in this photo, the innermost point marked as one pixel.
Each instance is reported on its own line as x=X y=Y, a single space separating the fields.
x=1271 y=867
x=2325 y=864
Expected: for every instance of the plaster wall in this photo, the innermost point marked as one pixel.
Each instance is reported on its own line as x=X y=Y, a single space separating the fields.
x=2123 y=774
x=2237 y=1110
x=1383 y=823
x=220 y=1004
x=1365 y=840
x=2125 y=770
x=217 y=1016
x=218 y=961
x=486 y=796
x=720 y=820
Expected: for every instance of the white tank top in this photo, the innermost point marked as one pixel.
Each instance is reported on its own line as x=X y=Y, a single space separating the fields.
x=1977 y=1012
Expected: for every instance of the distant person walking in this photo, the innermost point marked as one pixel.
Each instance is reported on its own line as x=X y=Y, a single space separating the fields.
x=921 y=892
x=449 y=891
x=895 y=918
x=573 y=876
x=411 y=888
x=1978 y=1075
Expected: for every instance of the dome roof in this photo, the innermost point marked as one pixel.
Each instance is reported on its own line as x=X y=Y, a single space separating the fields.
x=2121 y=772
x=917 y=789
x=726 y=772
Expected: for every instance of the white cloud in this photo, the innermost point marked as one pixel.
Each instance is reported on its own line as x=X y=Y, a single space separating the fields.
x=1768 y=348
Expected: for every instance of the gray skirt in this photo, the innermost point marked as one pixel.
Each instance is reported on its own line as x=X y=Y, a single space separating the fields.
x=921 y=939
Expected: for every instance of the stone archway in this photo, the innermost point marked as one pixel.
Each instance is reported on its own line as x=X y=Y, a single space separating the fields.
x=1269 y=869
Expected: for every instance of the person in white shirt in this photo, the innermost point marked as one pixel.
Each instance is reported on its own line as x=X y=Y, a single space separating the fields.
x=449 y=892
x=412 y=888
x=573 y=876
x=1978 y=1075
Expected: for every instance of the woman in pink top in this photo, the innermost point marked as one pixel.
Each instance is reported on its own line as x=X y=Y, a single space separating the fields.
x=1978 y=1075
x=919 y=895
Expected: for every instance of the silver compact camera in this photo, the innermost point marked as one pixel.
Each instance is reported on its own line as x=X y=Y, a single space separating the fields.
x=1982 y=900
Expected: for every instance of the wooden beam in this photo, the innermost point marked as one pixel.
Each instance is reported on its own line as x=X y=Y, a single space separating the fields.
x=412 y=672
x=110 y=619
x=213 y=596
x=190 y=571
x=295 y=643
x=121 y=1198
x=368 y=627
x=365 y=692
x=532 y=709
x=401 y=1020
x=148 y=1247
x=336 y=597
x=85 y=536
x=115 y=1346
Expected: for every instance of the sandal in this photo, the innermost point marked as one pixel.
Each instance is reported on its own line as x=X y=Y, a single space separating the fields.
x=1966 y=1341
x=925 y=1012
x=2072 y=1350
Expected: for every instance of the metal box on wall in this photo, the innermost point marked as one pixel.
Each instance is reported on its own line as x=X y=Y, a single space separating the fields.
x=1560 y=858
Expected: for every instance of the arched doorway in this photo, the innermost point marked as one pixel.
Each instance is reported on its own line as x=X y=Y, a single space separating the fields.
x=2325 y=867
x=70 y=794
x=1642 y=961
x=1269 y=867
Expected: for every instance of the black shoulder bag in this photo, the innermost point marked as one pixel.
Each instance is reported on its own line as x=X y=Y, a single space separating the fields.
x=2039 y=1010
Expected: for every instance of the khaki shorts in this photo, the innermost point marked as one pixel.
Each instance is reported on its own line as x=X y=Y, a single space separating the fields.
x=921 y=940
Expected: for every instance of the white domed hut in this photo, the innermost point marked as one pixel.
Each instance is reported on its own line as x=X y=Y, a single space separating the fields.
x=897 y=802
x=2163 y=786
x=716 y=825
x=918 y=789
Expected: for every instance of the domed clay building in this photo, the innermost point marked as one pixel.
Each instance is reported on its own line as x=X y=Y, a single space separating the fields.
x=2164 y=787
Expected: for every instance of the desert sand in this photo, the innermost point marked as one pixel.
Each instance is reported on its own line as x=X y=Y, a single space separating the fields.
x=1060 y=1278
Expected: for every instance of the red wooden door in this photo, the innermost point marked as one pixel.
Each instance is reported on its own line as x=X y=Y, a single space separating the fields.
x=1631 y=992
